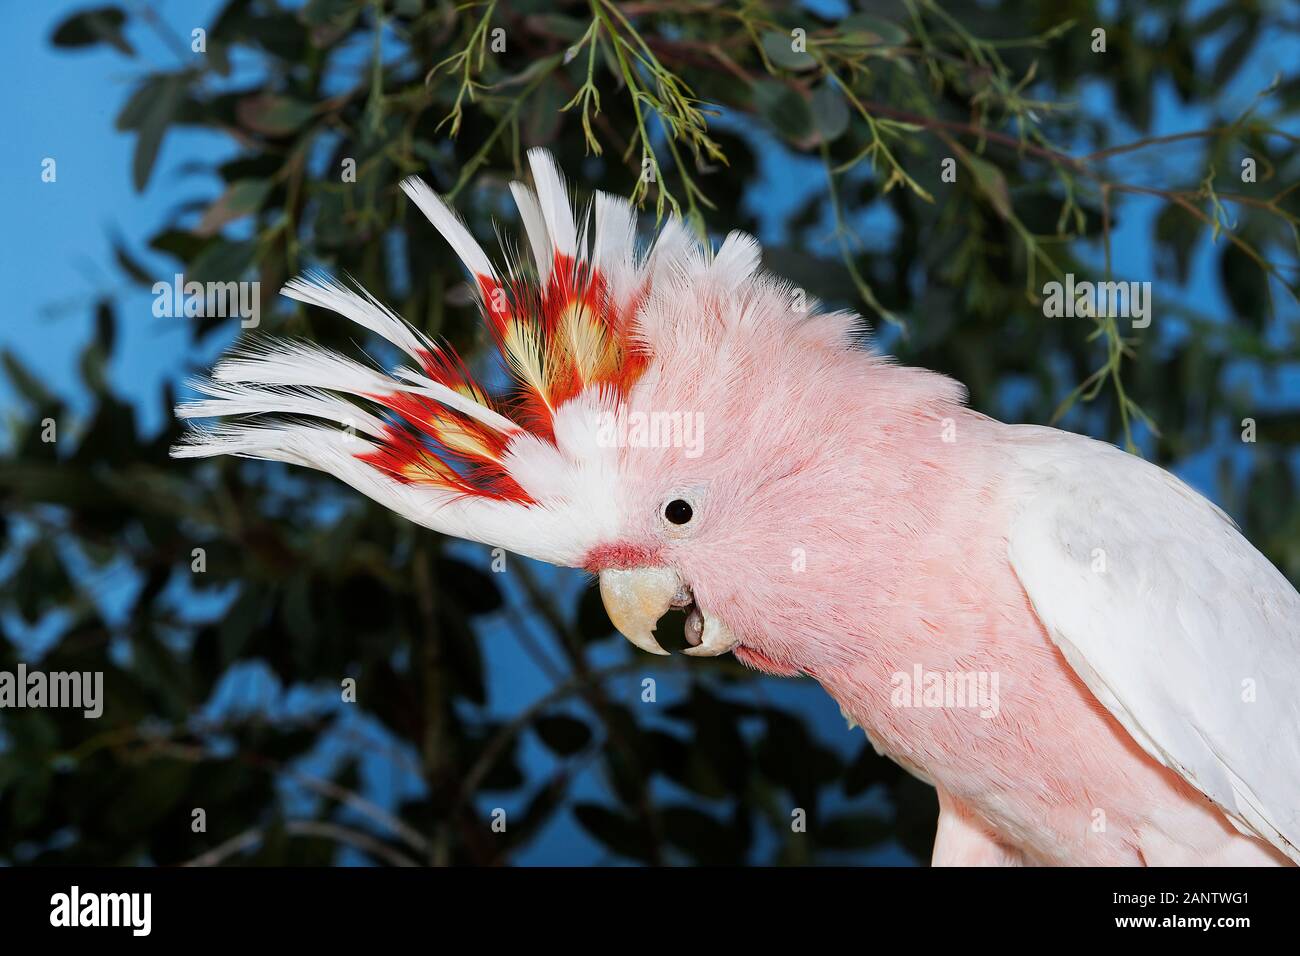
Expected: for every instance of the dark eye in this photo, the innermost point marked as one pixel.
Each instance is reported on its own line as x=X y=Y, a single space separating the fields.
x=678 y=511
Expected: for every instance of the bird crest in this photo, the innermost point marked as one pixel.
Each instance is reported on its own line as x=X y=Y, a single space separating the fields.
x=562 y=321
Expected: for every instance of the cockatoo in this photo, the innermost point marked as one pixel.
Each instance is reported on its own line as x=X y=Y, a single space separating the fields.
x=1081 y=654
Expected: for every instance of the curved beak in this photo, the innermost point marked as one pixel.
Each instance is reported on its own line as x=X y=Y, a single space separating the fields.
x=636 y=598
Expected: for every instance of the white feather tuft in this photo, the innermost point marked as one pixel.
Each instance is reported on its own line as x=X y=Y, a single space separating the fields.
x=239 y=399
x=449 y=225
x=736 y=261
x=302 y=364
x=317 y=288
x=539 y=240
x=554 y=202
x=614 y=251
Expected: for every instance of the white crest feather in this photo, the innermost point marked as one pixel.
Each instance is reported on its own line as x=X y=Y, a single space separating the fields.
x=554 y=202
x=736 y=261
x=269 y=362
x=614 y=251
x=319 y=289
x=231 y=398
x=539 y=240
x=449 y=225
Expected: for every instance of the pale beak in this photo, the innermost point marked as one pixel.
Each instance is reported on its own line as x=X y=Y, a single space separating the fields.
x=636 y=598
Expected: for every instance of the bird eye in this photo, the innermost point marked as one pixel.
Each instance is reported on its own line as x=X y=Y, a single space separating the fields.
x=678 y=511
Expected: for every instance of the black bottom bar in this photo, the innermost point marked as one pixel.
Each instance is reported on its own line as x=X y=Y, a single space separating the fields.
x=331 y=906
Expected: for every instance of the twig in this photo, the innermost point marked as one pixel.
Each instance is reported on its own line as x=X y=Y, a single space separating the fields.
x=303 y=828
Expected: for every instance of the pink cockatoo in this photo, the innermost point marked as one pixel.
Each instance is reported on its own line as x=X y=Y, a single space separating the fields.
x=835 y=515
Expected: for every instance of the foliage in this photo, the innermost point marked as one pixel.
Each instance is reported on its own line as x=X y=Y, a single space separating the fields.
x=318 y=585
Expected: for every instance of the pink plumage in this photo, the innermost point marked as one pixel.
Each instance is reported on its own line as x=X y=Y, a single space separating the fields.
x=1083 y=656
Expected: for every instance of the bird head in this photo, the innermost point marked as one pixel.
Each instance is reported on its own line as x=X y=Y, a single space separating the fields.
x=676 y=424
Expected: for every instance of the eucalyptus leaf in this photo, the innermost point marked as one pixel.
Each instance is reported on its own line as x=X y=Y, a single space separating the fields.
x=784 y=108
x=153 y=117
x=781 y=50
x=89 y=27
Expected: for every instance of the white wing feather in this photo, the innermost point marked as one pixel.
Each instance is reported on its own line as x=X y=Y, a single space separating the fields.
x=1184 y=631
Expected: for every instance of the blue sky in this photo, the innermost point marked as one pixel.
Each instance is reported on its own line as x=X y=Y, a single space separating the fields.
x=61 y=104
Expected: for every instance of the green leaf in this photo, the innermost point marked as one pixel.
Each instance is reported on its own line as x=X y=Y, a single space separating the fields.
x=1176 y=234
x=505 y=773
x=617 y=832
x=1245 y=284
x=273 y=115
x=830 y=113
x=40 y=583
x=222 y=261
x=181 y=243
x=543 y=117
x=563 y=734
x=779 y=48
x=789 y=756
x=319 y=13
x=105 y=326
x=91 y=27
x=241 y=198
x=864 y=29
x=137 y=106
x=565 y=27
x=329 y=20
x=154 y=115
x=703 y=838
x=539 y=811
x=1232 y=57
x=784 y=108
x=991 y=183
x=127 y=262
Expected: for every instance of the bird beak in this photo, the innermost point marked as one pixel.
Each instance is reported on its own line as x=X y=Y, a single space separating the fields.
x=636 y=598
